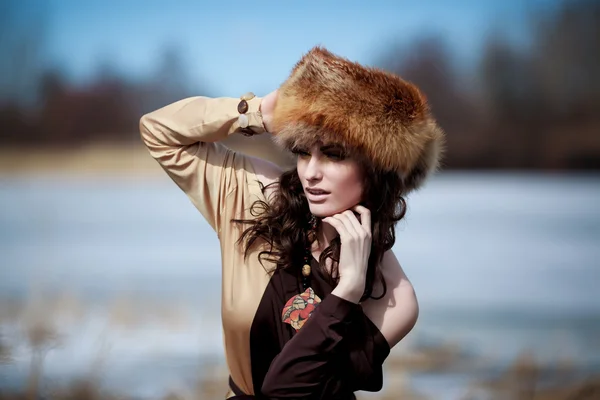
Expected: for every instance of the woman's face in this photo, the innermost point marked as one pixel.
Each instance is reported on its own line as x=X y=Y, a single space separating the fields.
x=331 y=181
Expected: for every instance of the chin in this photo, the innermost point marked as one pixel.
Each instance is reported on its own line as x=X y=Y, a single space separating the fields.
x=325 y=210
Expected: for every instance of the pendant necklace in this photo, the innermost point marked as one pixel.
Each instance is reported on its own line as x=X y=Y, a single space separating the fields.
x=300 y=307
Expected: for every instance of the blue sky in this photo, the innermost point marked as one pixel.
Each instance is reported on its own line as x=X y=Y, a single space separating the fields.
x=236 y=46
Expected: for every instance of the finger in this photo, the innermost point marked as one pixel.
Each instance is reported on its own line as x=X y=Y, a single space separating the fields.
x=338 y=225
x=347 y=224
x=365 y=216
x=356 y=226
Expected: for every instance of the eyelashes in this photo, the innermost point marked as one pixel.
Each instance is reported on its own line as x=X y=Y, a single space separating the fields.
x=337 y=155
x=300 y=152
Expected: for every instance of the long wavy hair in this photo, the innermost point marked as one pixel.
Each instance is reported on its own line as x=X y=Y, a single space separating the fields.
x=283 y=223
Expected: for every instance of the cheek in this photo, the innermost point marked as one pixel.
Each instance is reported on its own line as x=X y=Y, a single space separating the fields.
x=348 y=182
x=301 y=168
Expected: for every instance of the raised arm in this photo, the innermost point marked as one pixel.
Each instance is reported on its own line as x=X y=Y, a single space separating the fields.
x=183 y=137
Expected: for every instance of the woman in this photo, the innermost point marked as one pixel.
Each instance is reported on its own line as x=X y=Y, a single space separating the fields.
x=313 y=298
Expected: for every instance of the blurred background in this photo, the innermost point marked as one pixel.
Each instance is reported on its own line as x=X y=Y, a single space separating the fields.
x=110 y=280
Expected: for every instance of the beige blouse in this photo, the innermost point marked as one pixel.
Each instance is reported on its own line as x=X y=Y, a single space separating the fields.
x=184 y=138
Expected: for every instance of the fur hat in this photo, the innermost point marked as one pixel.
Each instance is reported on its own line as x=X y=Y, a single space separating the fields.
x=373 y=113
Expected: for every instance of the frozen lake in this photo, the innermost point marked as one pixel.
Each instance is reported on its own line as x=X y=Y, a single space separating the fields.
x=500 y=263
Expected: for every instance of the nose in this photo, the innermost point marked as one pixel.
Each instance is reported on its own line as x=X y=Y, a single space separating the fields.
x=313 y=169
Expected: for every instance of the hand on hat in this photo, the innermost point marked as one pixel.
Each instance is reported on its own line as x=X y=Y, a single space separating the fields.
x=355 y=238
x=267 y=106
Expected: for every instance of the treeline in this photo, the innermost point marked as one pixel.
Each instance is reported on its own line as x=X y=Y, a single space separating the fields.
x=534 y=104
x=528 y=105
x=107 y=109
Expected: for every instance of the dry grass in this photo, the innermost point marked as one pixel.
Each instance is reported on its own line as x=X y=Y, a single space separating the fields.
x=127 y=158
x=519 y=382
x=526 y=378
x=89 y=160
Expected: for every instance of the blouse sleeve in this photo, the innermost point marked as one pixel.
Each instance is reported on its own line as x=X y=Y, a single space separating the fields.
x=183 y=137
x=337 y=347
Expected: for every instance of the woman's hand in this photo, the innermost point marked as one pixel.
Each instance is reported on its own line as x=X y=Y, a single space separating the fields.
x=267 y=106
x=355 y=238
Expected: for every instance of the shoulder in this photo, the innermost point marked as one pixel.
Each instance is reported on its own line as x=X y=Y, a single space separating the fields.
x=266 y=172
x=397 y=312
x=259 y=158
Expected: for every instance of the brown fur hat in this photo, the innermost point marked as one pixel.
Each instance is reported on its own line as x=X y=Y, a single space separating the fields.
x=372 y=112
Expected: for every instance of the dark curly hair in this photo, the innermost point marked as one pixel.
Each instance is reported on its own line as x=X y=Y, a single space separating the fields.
x=283 y=223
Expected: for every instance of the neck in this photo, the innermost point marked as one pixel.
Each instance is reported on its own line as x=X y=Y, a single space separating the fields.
x=325 y=234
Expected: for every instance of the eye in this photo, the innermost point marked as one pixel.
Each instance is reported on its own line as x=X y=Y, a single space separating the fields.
x=335 y=155
x=300 y=152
